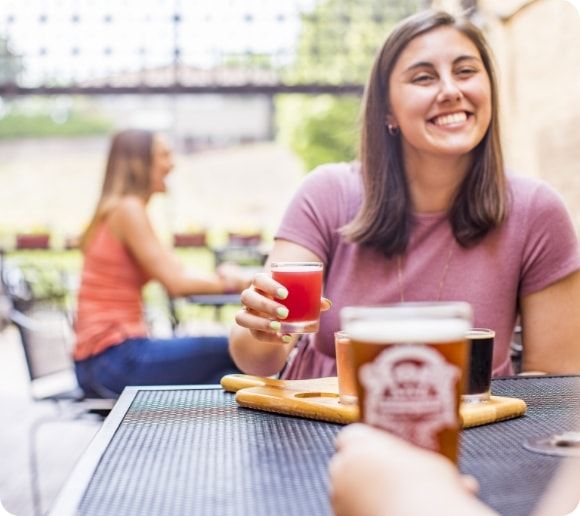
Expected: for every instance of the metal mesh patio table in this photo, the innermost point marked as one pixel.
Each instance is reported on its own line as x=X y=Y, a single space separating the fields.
x=192 y=450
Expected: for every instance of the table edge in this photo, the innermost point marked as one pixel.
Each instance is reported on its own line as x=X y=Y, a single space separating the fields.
x=71 y=493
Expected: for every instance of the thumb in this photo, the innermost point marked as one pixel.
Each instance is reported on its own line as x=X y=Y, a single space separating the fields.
x=325 y=304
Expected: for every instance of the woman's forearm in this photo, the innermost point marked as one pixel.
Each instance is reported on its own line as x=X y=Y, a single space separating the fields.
x=256 y=357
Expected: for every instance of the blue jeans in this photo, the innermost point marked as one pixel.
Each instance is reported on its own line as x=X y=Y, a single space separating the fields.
x=144 y=361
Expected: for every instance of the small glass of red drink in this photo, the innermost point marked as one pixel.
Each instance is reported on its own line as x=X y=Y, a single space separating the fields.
x=303 y=280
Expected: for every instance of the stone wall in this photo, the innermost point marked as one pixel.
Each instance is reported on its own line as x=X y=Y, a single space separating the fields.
x=537 y=46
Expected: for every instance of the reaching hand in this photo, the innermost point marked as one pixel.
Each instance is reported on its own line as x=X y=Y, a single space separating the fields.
x=375 y=473
x=235 y=277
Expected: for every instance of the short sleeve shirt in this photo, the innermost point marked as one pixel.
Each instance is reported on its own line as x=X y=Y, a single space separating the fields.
x=534 y=247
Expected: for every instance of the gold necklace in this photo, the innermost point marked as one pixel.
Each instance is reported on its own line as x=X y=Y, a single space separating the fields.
x=441 y=280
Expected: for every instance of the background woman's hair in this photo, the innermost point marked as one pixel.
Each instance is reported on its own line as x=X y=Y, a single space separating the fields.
x=385 y=219
x=128 y=171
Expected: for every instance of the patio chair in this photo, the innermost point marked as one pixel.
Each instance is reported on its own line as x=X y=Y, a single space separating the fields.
x=46 y=337
x=517 y=349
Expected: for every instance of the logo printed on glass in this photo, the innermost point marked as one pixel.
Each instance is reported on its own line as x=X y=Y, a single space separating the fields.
x=411 y=392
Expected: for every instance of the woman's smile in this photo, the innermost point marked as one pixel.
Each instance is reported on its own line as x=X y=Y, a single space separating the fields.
x=450 y=120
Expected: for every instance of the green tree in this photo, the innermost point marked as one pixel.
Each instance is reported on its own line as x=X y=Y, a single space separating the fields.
x=337 y=45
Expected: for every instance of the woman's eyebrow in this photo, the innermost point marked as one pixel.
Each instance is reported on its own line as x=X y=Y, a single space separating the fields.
x=466 y=57
x=428 y=64
x=420 y=64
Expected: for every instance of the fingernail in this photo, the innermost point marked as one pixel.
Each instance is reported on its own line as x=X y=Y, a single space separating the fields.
x=328 y=301
x=282 y=312
x=281 y=293
x=286 y=338
x=275 y=325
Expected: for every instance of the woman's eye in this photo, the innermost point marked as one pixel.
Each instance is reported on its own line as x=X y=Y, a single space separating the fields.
x=422 y=78
x=465 y=72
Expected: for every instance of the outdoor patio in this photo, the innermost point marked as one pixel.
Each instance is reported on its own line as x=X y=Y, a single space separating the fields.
x=60 y=442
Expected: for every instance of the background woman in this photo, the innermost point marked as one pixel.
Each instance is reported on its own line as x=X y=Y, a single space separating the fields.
x=121 y=254
x=427 y=214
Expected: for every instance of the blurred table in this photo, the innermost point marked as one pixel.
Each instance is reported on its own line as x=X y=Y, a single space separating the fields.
x=215 y=300
x=192 y=450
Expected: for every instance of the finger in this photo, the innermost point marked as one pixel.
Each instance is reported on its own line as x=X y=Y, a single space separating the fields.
x=253 y=321
x=268 y=286
x=272 y=338
x=258 y=304
x=325 y=304
x=470 y=483
x=356 y=432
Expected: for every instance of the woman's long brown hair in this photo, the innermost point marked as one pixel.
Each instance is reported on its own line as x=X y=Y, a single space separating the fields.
x=128 y=172
x=385 y=219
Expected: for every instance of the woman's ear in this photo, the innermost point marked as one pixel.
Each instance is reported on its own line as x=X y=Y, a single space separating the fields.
x=391 y=120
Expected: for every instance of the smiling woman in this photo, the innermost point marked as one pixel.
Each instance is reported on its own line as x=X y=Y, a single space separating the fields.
x=121 y=254
x=427 y=214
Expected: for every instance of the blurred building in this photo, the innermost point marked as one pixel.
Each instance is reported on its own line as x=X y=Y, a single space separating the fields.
x=199 y=121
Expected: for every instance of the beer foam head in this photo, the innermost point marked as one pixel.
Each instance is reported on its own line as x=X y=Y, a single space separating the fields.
x=409 y=330
x=408 y=322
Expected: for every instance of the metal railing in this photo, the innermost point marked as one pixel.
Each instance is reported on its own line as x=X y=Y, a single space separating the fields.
x=173 y=47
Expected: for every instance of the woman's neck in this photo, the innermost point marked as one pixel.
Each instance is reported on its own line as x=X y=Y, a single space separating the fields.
x=433 y=181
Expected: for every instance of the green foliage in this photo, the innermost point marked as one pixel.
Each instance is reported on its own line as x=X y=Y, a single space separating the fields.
x=55 y=274
x=320 y=129
x=21 y=125
x=337 y=45
x=338 y=41
x=248 y=61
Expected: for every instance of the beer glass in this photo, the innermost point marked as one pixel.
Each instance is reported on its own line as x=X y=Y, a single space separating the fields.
x=345 y=368
x=478 y=386
x=410 y=361
x=303 y=280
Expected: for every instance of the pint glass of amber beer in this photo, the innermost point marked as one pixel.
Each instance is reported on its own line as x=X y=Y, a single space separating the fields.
x=410 y=361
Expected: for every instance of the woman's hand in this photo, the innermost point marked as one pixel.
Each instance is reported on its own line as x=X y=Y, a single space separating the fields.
x=235 y=277
x=262 y=310
x=376 y=473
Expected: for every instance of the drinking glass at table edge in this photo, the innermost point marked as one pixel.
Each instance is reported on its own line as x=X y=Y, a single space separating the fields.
x=427 y=213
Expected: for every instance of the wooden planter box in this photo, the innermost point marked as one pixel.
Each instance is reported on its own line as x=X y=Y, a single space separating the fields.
x=32 y=241
x=190 y=239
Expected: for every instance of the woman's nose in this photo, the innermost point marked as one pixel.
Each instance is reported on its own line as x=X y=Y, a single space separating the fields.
x=449 y=90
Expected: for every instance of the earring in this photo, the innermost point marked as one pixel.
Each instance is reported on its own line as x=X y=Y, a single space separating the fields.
x=393 y=129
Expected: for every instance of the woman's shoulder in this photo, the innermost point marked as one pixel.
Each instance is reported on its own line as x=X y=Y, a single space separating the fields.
x=532 y=196
x=127 y=206
x=343 y=170
x=128 y=212
x=529 y=187
x=332 y=176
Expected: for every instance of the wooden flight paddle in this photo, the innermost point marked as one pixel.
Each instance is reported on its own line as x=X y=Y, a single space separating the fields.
x=318 y=399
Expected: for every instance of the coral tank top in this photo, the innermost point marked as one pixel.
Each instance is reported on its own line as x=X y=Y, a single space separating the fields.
x=110 y=304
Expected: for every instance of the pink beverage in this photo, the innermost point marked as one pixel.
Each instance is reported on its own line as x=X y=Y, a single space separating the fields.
x=303 y=280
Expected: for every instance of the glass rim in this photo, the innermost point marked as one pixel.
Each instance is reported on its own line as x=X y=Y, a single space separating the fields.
x=313 y=265
x=480 y=333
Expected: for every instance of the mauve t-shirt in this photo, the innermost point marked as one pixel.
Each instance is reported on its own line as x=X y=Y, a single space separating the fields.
x=535 y=247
